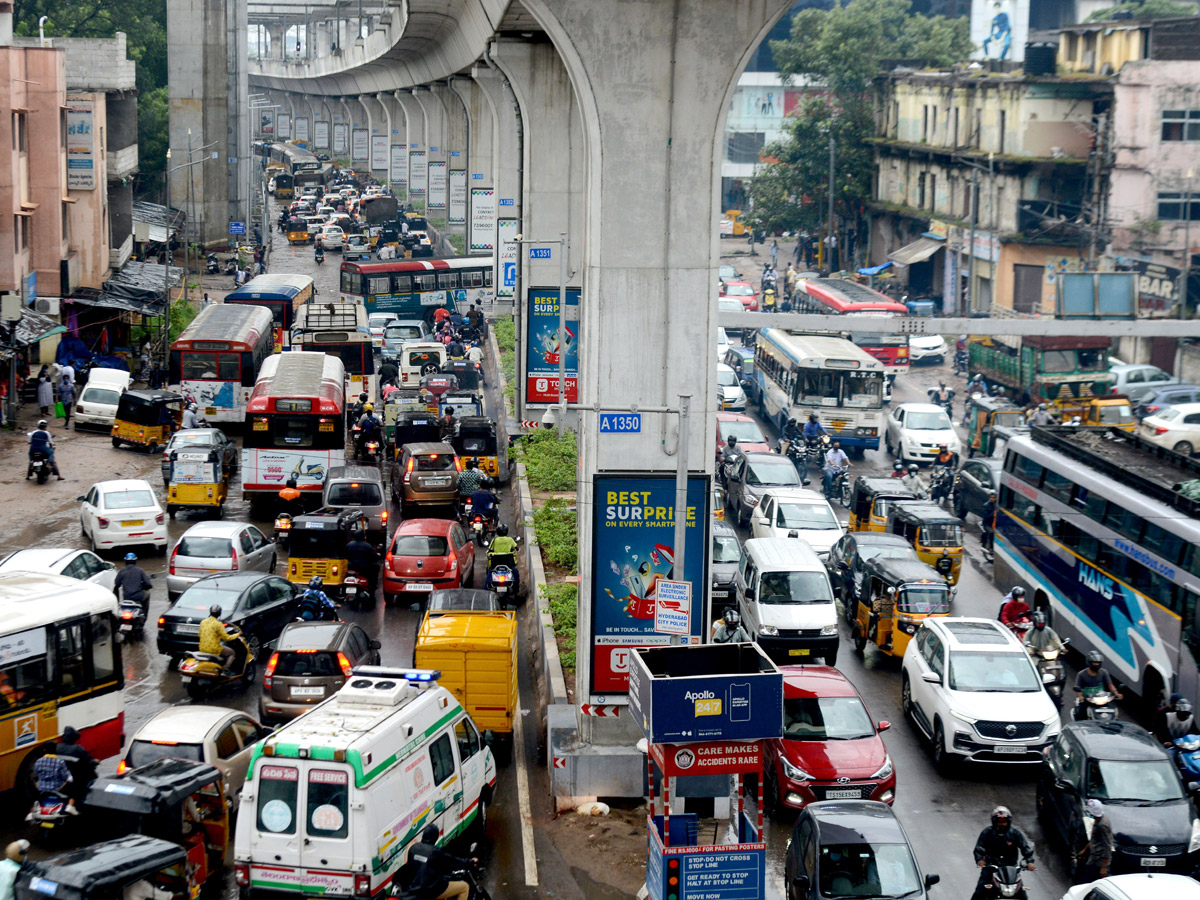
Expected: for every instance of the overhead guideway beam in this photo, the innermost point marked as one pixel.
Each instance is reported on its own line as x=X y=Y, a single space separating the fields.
x=1051 y=327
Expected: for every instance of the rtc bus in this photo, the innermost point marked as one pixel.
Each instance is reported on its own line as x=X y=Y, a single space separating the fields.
x=215 y=361
x=282 y=295
x=413 y=289
x=800 y=374
x=341 y=330
x=840 y=297
x=60 y=666
x=295 y=424
x=1103 y=529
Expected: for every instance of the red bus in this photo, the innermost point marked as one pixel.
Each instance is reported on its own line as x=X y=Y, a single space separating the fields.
x=295 y=423
x=839 y=297
x=215 y=361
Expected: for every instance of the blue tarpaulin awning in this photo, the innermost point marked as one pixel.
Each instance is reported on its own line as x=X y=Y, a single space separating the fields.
x=875 y=270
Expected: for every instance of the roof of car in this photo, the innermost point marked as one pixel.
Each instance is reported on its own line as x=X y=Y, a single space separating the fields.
x=784 y=495
x=879 y=538
x=215 y=529
x=188 y=722
x=424 y=526
x=856 y=822
x=920 y=407
x=723 y=528
x=1144 y=886
x=744 y=352
x=908 y=571
x=354 y=473
x=815 y=681
x=123 y=484
x=36 y=558
x=230 y=581
x=429 y=447
x=734 y=417
x=772 y=552
x=1116 y=740
x=195 y=432
x=969 y=632
x=310 y=635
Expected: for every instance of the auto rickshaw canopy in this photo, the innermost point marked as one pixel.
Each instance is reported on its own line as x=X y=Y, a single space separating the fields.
x=866 y=489
x=154 y=788
x=937 y=527
x=469 y=374
x=920 y=590
x=99 y=871
x=146 y=408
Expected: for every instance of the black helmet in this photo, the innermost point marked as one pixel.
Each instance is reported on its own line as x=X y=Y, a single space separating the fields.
x=315 y=583
x=363 y=397
x=215 y=610
x=897 y=466
x=791 y=421
x=1017 y=592
x=1039 y=620
x=812 y=417
x=502 y=530
x=472 y=463
x=291 y=482
x=913 y=468
x=430 y=834
x=732 y=619
x=1001 y=817
x=731 y=441
x=1094 y=659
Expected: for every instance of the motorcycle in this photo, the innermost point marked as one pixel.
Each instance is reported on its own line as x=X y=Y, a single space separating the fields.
x=1003 y=882
x=470 y=874
x=132 y=616
x=1099 y=706
x=212 y=265
x=1048 y=662
x=961 y=363
x=815 y=449
x=357 y=590
x=202 y=673
x=49 y=810
x=283 y=528
x=941 y=484
x=839 y=489
x=946 y=404
x=41 y=465
x=1020 y=626
x=1186 y=751
x=798 y=454
x=503 y=577
x=230 y=267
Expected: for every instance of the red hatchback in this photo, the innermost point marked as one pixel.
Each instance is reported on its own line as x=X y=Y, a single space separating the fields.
x=750 y=438
x=831 y=748
x=427 y=555
x=744 y=291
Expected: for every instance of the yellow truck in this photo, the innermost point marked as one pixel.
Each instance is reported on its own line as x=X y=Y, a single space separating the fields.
x=469 y=637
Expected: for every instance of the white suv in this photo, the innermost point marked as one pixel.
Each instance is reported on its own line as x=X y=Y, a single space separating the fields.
x=969 y=685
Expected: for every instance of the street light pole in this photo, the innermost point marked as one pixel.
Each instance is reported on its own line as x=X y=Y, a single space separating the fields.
x=829 y=231
x=1187 y=247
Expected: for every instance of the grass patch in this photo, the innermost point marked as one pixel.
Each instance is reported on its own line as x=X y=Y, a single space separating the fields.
x=458 y=242
x=554 y=526
x=506 y=339
x=550 y=461
x=563 y=600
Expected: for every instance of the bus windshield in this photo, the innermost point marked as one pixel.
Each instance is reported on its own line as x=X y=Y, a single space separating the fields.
x=210 y=366
x=828 y=387
x=357 y=356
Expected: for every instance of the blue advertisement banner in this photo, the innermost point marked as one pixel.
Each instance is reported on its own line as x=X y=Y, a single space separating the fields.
x=709 y=872
x=633 y=546
x=544 y=344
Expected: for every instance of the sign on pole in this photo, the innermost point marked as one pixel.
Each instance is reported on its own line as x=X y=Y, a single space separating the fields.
x=321 y=134
x=360 y=145
x=301 y=128
x=418 y=173
x=437 y=185
x=283 y=124
x=341 y=138
x=673 y=607
x=507 y=258
x=483 y=219
x=543 y=344
x=237 y=227
x=379 y=153
x=399 y=168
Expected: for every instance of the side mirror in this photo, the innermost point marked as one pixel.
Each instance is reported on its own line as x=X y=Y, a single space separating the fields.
x=81 y=499
x=375 y=645
x=1063 y=785
x=891 y=592
x=884 y=725
x=763 y=520
x=931 y=678
x=800 y=883
x=748 y=593
x=1193 y=787
x=110 y=566
x=932 y=879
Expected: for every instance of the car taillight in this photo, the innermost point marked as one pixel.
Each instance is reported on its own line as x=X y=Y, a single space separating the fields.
x=171 y=564
x=345 y=664
x=458 y=464
x=241 y=874
x=101 y=521
x=235 y=559
x=292 y=569
x=161 y=621
x=79 y=408
x=160 y=518
x=453 y=563
x=1161 y=430
x=122 y=767
x=384 y=516
x=362 y=885
x=388 y=558
x=269 y=671
x=1152 y=409
x=408 y=470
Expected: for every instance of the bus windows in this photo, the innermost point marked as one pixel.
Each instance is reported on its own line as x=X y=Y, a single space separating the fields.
x=210 y=366
x=294 y=431
x=447 y=281
x=816 y=386
x=404 y=284
x=425 y=282
x=104 y=665
x=351 y=282
x=863 y=389
x=28 y=678
x=472 y=279
x=71 y=670
x=1028 y=470
x=379 y=284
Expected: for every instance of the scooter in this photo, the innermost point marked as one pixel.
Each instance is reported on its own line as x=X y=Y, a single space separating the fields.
x=947 y=404
x=1048 y=662
x=49 y=812
x=319 y=255
x=132 y=616
x=357 y=591
x=283 y=528
x=212 y=265
x=203 y=673
x=230 y=267
x=1003 y=882
x=41 y=465
x=816 y=448
x=941 y=484
x=961 y=362
x=1186 y=751
x=1021 y=626
x=1099 y=706
x=470 y=874
x=503 y=577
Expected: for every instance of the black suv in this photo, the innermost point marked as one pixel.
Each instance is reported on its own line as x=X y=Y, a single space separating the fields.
x=1124 y=767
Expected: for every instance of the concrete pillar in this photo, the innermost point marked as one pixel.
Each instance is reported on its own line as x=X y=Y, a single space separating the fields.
x=380 y=127
x=418 y=148
x=453 y=146
x=435 y=144
x=364 y=119
x=275 y=39
x=397 y=147
x=507 y=126
x=207 y=41
x=480 y=121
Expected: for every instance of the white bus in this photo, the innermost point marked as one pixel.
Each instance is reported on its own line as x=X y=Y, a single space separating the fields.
x=215 y=360
x=800 y=374
x=341 y=330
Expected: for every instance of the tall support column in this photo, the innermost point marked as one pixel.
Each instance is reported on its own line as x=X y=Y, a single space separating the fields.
x=480 y=120
x=418 y=148
x=363 y=120
x=380 y=126
x=435 y=142
x=507 y=138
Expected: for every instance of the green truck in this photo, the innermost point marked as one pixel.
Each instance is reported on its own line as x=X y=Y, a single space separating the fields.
x=1043 y=369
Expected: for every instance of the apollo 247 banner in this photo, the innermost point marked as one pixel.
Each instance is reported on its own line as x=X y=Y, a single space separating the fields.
x=634 y=548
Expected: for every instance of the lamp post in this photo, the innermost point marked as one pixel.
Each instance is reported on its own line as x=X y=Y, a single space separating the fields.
x=1187 y=247
x=564 y=247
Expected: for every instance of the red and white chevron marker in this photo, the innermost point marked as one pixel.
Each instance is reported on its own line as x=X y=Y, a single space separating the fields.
x=530 y=423
x=560 y=762
x=602 y=712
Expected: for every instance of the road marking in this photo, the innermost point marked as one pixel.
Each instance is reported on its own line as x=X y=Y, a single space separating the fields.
x=531 y=874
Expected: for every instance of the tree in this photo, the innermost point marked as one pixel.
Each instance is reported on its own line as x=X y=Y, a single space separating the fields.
x=1143 y=9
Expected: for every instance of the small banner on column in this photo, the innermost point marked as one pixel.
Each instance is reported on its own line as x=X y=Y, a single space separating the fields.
x=360 y=145
x=437 y=185
x=379 y=153
x=341 y=138
x=544 y=344
x=458 y=197
x=321 y=134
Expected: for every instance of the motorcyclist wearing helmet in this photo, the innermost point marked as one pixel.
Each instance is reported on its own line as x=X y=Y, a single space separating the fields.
x=1091 y=680
x=290 y=499
x=40 y=441
x=729 y=629
x=370 y=428
x=81 y=764
x=1042 y=416
x=429 y=869
x=469 y=479
x=1042 y=636
x=898 y=470
x=791 y=432
x=356 y=409
x=315 y=604
x=1181 y=722
x=502 y=545
x=729 y=454
x=813 y=428
x=190 y=419
x=914 y=482
x=213 y=637
x=133 y=583
x=484 y=502
x=1000 y=844
x=1013 y=608
x=10 y=866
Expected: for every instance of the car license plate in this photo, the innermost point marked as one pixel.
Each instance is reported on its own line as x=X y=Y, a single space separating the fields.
x=439 y=482
x=307 y=691
x=187 y=629
x=842 y=794
x=132 y=523
x=1154 y=862
x=801 y=651
x=186 y=679
x=418 y=586
x=210 y=410
x=1011 y=748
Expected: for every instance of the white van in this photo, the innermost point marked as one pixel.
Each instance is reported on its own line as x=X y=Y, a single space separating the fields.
x=417 y=358
x=334 y=798
x=786 y=602
x=96 y=403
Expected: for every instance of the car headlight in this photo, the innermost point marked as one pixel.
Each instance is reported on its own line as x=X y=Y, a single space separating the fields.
x=885 y=771
x=828 y=630
x=1194 y=841
x=962 y=718
x=769 y=630
x=794 y=772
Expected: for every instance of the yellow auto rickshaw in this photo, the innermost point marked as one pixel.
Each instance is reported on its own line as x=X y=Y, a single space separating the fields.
x=297 y=230
x=898 y=595
x=147 y=419
x=471 y=639
x=936 y=534
x=285 y=186
x=870 y=500
x=317 y=546
x=986 y=413
x=198 y=479
x=476 y=438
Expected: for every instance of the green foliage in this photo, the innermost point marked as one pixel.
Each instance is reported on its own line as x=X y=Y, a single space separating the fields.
x=182 y=314
x=152 y=138
x=458 y=242
x=563 y=600
x=554 y=525
x=506 y=337
x=1143 y=9
x=550 y=460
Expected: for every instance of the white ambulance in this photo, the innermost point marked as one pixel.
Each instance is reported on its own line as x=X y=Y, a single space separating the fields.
x=334 y=798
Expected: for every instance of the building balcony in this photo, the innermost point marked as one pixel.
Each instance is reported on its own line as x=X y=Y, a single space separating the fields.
x=122 y=163
x=950 y=156
x=118 y=256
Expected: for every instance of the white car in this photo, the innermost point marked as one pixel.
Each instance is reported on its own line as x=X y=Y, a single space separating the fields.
x=97 y=404
x=729 y=389
x=81 y=564
x=915 y=430
x=332 y=237
x=209 y=547
x=931 y=348
x=122 y=514
x=971 y=688
x=1137 y=886
x=1137 y=379
x=358 y=247
x=377 y=322
x=1176 y=428
x=722 y=344
x=221 y=737
x=797 y=514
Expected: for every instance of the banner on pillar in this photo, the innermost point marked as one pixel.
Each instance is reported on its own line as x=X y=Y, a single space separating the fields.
x=633 y=547
x=507 y=257
x=266 y=123
x=283 y=124
x=437 y=185
x=458 y=197
x=321 y=134
x=543 y=344
x=359 y=145
x=379 y=152
x=418 y=172
x=341 y=135
x=398 y=174
x=483 y=219
x=301 y=129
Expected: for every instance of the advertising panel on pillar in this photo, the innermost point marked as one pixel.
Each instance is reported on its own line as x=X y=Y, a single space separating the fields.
x=544 y=344
x=633 y=537
x=283 y=124
x=437 y=184
x=359 y=145
x=483 y=219
x=341 y=138
x=301 y=128
x=379 y=152
x=458 y=197
x=266 y=123
x=418 y=173
x=321 y=134
x=506 y=257
x=398 y=173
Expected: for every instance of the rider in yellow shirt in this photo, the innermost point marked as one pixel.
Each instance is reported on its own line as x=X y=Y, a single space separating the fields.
x=213 y=636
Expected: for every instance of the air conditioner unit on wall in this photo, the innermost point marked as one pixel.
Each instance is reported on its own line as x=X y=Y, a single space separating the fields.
x=47 y=306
